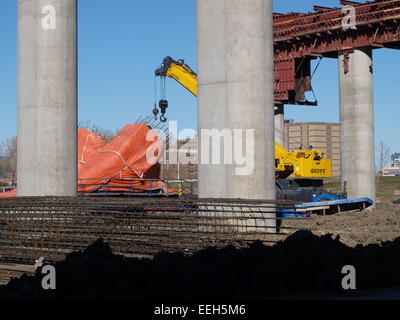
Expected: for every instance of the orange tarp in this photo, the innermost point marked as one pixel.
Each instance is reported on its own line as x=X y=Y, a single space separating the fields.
x=125 y=157
x=88 y=143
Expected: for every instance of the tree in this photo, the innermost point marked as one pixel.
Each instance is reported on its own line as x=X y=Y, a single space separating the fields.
x=4 y=163
x=9 y=164
x=383 y=156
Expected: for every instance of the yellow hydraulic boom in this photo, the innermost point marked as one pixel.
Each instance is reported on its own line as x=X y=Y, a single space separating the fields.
x=301 y=164
x=179 y=71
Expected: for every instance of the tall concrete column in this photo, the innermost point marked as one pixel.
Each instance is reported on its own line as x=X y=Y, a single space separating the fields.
x=280 y=125
x=47 y=97
x=235 y=52
x=357 y=124
x=236 y=92
x=250 y=93
x=212 y=96
x=27 y=120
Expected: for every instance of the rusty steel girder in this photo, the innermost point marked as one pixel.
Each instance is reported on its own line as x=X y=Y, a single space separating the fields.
x=300 y=38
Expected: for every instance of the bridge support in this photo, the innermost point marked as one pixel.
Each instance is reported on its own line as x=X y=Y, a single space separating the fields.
x=236 y=92
x=280 y=125
x=47 y=98
x=357 y=124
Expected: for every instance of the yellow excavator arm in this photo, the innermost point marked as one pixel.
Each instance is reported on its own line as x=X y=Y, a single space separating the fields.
x=301 y=164
x=179 y=71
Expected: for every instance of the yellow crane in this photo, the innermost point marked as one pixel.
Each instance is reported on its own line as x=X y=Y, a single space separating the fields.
x=301 y=164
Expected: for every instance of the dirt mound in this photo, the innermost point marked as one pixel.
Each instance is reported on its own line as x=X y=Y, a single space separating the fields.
x=367 y=227
x=303 y=263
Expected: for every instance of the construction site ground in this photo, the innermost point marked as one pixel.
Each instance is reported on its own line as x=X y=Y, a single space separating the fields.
x=368 y=227
x=305 y=265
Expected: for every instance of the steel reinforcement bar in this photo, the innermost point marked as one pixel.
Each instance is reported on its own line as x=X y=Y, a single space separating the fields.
x=53 y=227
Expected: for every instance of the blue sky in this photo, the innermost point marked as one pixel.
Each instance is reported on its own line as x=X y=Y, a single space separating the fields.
x=122 y=42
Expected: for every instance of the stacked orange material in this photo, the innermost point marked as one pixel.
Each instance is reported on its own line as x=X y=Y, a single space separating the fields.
x=112 y=166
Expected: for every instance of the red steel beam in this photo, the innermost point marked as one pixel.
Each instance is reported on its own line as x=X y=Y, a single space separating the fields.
x=349 y=3
x=319 y=8
x=293 y=26
x=300 y=37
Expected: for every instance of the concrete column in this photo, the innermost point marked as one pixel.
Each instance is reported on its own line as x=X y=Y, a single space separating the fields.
x=250 y=93
x=280 y=125
x=26 y=142
x=212 y=96
x=357 y=124
x=235 y=52
x=47 y=98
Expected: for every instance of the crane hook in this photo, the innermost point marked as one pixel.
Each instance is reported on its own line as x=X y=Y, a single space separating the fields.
x=163 y=105
x=155 y=112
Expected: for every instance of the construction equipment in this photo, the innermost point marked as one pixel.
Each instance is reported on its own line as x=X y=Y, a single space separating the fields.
x=179 y=71
x=302 y=164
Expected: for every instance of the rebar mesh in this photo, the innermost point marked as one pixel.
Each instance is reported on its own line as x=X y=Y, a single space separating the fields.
x=52 y=227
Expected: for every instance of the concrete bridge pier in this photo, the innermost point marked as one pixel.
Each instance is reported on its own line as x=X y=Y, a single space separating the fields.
x=280 y=125
x=47 y=97
x=236 y=93
x=357 y=123
x=212 y=100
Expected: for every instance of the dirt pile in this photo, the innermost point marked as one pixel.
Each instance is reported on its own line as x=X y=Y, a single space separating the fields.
x=302 y=263
x=367 y=227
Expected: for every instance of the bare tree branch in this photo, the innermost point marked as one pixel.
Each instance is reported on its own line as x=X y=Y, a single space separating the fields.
x=8 y=166
x=383 y=156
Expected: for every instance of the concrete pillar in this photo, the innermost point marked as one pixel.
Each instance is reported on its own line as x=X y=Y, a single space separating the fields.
x=280 y=125
x=357 y=124
x=212 y=96
x=47 y=97
x=26 y=142
x=235 y=66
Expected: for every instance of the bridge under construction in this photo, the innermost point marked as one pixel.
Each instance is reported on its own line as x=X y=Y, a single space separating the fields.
x=261 y=66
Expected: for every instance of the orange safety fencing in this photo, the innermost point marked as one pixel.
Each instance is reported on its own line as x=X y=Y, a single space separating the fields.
x=122 y=165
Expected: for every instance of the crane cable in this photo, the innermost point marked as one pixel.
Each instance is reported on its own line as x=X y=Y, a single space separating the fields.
x=155 y=110
x=163 y=104
x=312 y=76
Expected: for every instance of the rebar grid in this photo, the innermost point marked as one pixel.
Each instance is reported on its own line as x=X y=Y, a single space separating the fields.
x=52 y=227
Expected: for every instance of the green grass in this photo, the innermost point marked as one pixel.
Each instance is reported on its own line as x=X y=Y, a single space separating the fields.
x=386 y=188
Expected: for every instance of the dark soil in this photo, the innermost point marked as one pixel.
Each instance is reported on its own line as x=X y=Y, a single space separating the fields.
x=303 y=263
